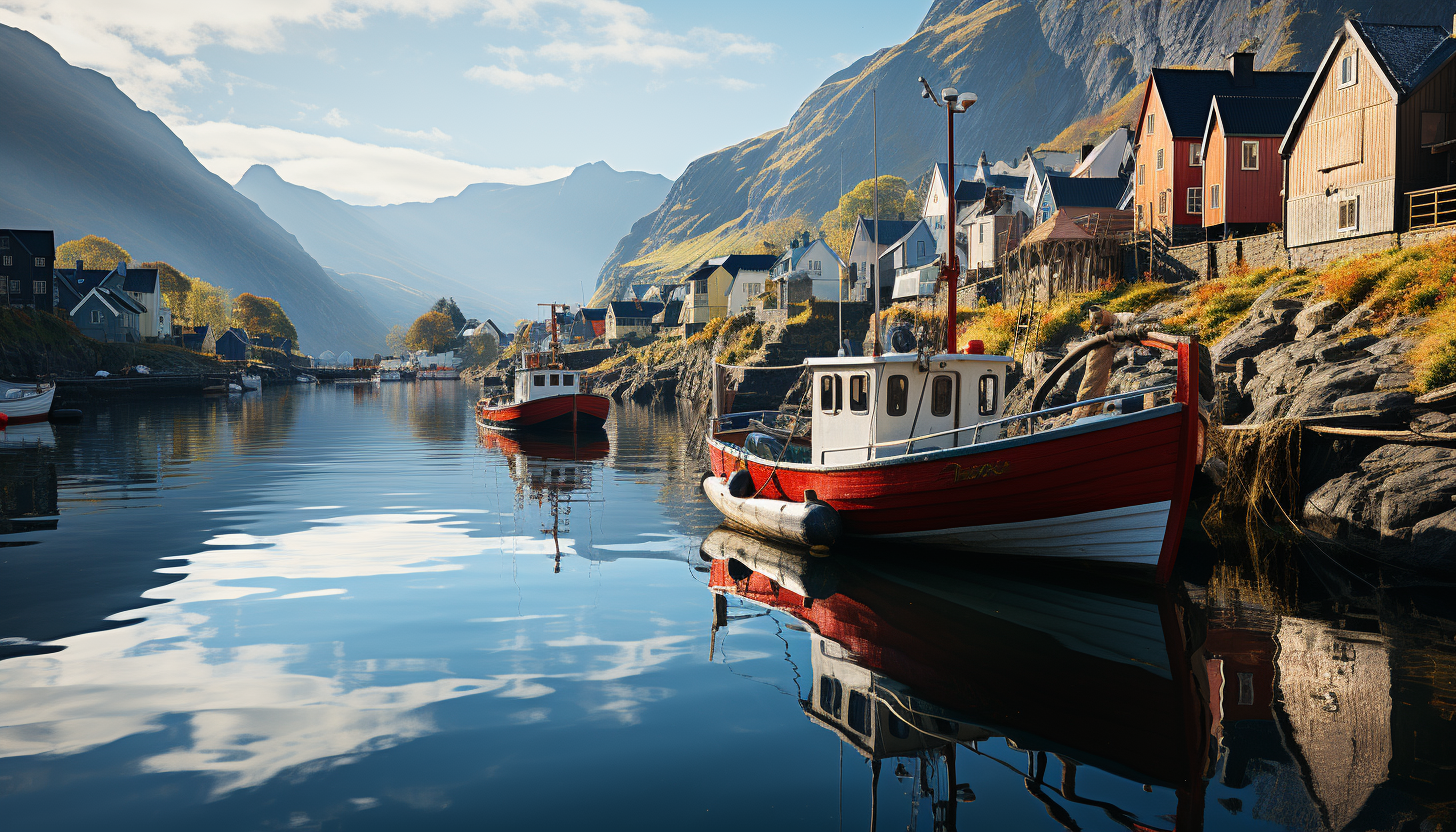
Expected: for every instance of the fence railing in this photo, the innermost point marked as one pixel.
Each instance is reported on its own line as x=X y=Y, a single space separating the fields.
x=1432 y=207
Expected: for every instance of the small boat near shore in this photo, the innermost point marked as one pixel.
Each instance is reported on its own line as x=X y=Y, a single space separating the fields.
x=916 y=448
x=251 y=382
x=545 y=395
x=387 y=375
x=22 y=403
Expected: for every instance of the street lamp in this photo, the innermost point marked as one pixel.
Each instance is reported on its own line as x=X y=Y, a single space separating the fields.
x=954 y=102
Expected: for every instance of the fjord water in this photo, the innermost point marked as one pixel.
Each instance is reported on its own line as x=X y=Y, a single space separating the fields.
x=347 y=608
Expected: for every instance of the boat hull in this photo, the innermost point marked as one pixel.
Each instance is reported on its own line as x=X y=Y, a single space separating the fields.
x=571 y=412
x=20 y=411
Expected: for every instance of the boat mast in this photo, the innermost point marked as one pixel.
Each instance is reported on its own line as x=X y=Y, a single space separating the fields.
x=950 y=269
x=875 y=268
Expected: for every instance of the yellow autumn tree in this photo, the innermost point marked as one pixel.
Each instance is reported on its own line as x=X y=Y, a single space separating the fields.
x=260 y=315
x=433 y=331
x=93 y=251
x=896 y=200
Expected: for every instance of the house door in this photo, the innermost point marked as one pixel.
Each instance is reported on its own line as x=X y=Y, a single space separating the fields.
x=939 y=411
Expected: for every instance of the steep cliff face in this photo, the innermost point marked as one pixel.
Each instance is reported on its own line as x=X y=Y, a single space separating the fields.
x=1035 y=67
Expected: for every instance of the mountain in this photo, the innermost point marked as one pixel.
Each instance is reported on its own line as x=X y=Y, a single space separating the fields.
x=361 y=253
x=77 y=155
x=1035 y=67
x=523 y=244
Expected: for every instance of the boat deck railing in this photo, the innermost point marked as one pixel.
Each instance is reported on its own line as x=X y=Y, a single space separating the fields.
x=745 y=419
x=1005 y=422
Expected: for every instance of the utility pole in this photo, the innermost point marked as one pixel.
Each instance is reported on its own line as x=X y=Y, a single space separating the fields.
x=950 y=271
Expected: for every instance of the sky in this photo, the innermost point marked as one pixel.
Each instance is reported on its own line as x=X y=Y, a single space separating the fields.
x=381 y=101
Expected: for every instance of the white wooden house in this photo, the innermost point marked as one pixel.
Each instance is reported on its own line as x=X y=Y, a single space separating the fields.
x=811 y=259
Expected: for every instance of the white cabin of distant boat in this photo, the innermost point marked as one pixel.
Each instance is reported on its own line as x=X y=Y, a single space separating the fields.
x=864 y=401
x=545 y=383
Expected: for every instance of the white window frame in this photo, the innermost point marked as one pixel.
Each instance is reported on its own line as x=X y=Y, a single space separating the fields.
x=1199 y=208
x=1159 y=165
x=1215 y=194
x=1142 y=174
x=40 y=262
x=1150 y=124
x=95 y=316
x=1195 y=155
x=7 y=260
x=1354 y=202
x=1352 y=62
x=1244 y=148
x=37 y=287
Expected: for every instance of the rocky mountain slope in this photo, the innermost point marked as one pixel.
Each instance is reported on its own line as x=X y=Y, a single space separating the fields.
x=359 y=252
x=78 y=156
x=1035 y=67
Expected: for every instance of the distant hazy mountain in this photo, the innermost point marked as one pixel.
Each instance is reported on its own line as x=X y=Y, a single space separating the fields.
x=526 y=244
x=1035 y=68
x=360 y=253
x=78 y=156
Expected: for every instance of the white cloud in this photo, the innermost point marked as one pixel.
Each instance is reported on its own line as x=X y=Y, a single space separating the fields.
x=364 y=174
x=434 y=134
x=334 y=118
x=735 y=84
x=513 y=79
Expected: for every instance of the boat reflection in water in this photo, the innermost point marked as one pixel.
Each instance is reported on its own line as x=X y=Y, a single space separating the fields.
x=552 y=470
x=921 y=664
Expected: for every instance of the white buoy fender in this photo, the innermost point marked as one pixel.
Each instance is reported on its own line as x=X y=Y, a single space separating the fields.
x=809 y=524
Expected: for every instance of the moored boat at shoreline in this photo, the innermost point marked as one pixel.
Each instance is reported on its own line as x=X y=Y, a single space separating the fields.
x=22 y=403
x=544 y=395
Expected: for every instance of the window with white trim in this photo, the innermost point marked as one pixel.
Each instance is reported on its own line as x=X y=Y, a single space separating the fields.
x=38 y=287
x=1142 y=174
x=1349 y=70
x=7 y=260
x=1150 y=124
x=40 y=262
x=95 y=316
x=1195 y=155
x=1349 y=214
x=1213 y=196
x=1163 y=204
x=1195 y=200
x=1249 y=156
x=1160 y=159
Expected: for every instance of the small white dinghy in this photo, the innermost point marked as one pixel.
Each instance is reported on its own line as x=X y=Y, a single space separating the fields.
x=252 y=382
x=810 y=523
x=23 y=403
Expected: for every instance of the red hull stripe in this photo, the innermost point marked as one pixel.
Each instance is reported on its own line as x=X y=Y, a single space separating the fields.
x=591 y=411
x=26 y=420
x=1118 y=467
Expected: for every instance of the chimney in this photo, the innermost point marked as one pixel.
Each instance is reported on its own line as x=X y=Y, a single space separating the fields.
x=1086 y=151
x=121 y=267
x=902 y=216
x=1241 y=67
x=79 y=264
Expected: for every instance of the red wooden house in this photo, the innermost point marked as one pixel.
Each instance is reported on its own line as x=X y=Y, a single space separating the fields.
x=1168 y=177
x=1243 y=174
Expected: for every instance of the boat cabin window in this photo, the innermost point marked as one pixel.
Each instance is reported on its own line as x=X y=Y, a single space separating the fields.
x=942 y=395
x=540 y=380
x=555 y=380
x=566 y=379
x=830 y=393
x=829 y=695
x=899 y=729
x=859 y=712
x=859 y=393
x=897 y=395
x=988 y=396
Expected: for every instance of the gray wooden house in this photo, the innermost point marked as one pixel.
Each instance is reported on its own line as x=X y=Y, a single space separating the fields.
x=108 y=315
x=1370 y=148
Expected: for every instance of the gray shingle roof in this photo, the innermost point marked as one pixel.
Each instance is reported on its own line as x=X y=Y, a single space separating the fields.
x=1087 y=192
x=734 y=263
x=630 y=309
x=1244 y=116
x=1408 y=54
x=140 y=280
x=890 y=230
x=967 y=191
x=1186 y=94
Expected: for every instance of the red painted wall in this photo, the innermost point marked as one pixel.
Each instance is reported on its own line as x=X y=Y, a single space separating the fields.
x=1253 y=195
x=1185 y=176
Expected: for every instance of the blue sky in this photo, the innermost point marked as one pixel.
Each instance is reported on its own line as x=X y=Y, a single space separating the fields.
x=377 y=101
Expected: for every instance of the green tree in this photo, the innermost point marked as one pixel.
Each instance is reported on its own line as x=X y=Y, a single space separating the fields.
x=262 y=315
x=433 y=331
x=896 y=199
x=206 y=305
x=481 y=348
x=95 y=252
x=447 y=305
x=396 y=340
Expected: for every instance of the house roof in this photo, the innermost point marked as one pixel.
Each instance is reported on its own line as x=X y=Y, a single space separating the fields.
x=1186 y=94
x=1059 y=227
x=1004 y=180
x=634 y=309
x=967 y=190
x=905 y=238
x=734 y=263
x=239 y=333
x=121 y=299
x=1107 y=157
x=143 y=281
x=1244 y=116
x=592 y=314
x=1087 y=192
x=1407 y=54
x=890 y=230
x=640 y=290
x=672 y=314
x=700 y=273
x=88 y=279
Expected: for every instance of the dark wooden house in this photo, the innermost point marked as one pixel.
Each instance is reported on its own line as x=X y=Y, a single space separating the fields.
x=1168 y=175
x=1369 y=150
x=26 y=262
x=1243 y=176
x=232 y=344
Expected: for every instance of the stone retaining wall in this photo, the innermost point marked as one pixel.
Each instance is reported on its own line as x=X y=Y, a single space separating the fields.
x=1201 y=261
x=1322 y=253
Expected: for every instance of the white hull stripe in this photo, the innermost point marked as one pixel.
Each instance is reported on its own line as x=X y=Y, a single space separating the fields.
x=1127 y=535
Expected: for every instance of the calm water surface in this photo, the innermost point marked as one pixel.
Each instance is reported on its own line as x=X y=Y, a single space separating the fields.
x=322 y=608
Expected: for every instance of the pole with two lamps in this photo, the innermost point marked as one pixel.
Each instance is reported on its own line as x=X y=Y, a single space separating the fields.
x=953 y=101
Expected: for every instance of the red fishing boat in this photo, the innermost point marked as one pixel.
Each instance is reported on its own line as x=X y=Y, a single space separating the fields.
x=545 y=395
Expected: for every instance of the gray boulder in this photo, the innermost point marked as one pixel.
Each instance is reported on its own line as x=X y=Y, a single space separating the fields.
x=1395 y=488
x=1259 y=333
x=1357 y=316
x=1314 y=318
x=1396 y=403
